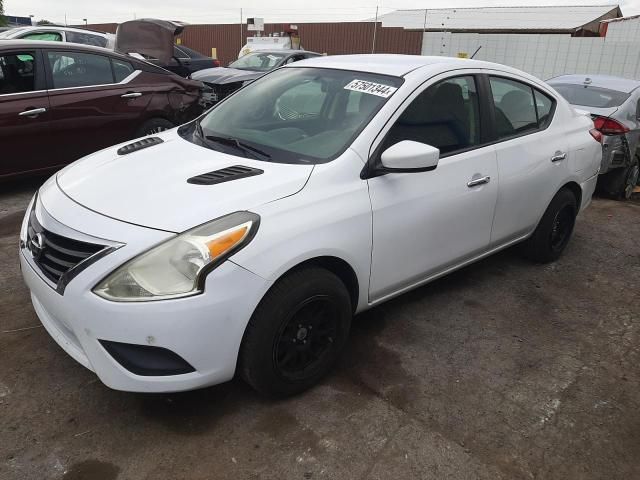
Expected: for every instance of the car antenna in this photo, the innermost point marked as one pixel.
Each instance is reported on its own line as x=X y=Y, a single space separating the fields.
x=474 y=53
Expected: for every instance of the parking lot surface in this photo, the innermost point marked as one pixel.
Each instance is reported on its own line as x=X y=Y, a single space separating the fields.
x=502 y=370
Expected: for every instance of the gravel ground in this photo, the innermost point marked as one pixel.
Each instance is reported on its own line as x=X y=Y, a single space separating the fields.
x=502 y=370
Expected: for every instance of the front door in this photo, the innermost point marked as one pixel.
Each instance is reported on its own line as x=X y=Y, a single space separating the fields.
x=24 y=114
x=427 y=222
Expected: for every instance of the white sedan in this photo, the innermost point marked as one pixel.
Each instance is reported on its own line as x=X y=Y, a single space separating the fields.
x=245 y=241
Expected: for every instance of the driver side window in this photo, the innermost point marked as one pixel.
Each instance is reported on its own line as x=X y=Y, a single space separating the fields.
x=445 y=116
x=73 y=69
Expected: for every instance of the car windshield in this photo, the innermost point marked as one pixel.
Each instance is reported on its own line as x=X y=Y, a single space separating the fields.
x=296 y=115
x=589 y=96
x=258 y=61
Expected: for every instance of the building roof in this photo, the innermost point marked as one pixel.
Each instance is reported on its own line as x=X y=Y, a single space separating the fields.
x=538 y=18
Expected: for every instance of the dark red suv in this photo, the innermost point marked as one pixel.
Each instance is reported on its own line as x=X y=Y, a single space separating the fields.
x=61 y=101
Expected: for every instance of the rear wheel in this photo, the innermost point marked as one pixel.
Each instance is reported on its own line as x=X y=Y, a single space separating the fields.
x=621 y=182
x=296 y=333
x=553 y=233
x=154 y=126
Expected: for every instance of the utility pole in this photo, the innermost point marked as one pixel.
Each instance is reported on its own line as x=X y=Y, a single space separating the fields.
x=375 y=28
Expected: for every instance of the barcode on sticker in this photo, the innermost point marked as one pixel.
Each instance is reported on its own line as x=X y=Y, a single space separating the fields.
x=371 y=88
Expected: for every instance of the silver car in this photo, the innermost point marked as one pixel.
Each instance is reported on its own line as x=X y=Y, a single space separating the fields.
x=614 y=104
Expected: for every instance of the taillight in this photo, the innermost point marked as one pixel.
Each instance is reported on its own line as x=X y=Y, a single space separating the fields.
x=608 y=126
x=216 y=62
x=596 y=134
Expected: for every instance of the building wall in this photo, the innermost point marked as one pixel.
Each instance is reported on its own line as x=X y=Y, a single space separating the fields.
x=543 y=55
x=330 y=38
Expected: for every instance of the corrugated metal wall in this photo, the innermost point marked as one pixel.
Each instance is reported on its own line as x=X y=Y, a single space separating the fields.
x=545 y=56
x=330 y=38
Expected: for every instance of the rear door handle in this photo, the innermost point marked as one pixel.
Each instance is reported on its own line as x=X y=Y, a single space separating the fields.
x=558 y=157
x=478 y=181
x=131 y=95
x=33 y=112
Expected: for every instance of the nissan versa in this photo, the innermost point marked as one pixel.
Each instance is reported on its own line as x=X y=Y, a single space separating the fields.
x=245 y=240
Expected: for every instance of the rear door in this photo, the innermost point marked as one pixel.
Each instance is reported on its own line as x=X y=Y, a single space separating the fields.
x=532 y=155
x=24 y=113
x=95 y=101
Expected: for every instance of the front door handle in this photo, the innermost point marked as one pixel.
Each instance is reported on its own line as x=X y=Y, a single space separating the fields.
x=33 y=112
x=558 y=157
x=478 y=181
x=131 y=95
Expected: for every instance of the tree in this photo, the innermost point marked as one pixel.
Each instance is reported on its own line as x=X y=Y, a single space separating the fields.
x=44 y=22
x=3 y=21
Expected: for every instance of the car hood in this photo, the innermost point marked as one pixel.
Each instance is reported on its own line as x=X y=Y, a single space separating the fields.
x=149 y=187
x=221 y=75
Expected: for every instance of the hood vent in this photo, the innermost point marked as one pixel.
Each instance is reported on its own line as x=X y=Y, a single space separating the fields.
x=139 y=145
x=225 y=175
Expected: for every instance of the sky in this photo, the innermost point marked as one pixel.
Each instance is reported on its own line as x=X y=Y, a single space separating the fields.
x=216 y=11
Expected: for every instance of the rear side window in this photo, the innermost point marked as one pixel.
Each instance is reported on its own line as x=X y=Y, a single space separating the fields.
x=444 y=116
x=74 y=69
x=121 y=69
x=179 y=53
x=17 y=73
x=588 y=96
x=45 y=36
x=514 y=107
x=86 y=39
x=544 y=108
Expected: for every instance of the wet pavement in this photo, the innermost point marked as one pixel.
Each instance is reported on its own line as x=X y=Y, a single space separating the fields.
x=502 y=370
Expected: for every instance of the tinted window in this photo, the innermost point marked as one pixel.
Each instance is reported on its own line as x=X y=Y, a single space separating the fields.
x=444 y=116
x=121 y=69
x=179 y=53
x=46 y=36
x=588 y=96
x=192 y=53
x=515 y=111
x=17 y=73
x=86 y=39
x=544 y=107
x=299 y=115
x=72 y=69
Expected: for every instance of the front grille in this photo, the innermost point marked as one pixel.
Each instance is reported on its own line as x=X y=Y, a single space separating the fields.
x=54 y=254
x=223 y=90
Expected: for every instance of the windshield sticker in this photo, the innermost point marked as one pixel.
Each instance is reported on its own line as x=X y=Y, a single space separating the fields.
x=371 y=88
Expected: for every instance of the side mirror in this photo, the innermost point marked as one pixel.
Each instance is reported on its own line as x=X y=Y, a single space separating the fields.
x=409 y=156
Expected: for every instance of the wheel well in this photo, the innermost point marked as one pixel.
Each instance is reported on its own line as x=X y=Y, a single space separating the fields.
x=574 y=188
x=338 y=267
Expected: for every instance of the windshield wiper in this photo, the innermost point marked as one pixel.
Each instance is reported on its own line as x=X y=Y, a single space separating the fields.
x=234 y=142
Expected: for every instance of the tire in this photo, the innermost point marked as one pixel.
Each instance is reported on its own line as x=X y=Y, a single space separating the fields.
x=553 y=233
x=281 y=353
x=153 y=126
x=621 y=182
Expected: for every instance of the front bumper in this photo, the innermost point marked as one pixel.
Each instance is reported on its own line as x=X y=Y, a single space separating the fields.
x=205 y=330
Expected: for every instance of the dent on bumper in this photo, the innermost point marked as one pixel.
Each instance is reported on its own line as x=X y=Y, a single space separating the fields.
x=205 y=330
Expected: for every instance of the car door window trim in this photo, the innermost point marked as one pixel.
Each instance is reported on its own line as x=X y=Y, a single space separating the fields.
x=124 y=81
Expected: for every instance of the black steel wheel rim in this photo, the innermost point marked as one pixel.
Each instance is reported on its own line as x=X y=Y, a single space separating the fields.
x=306 y=338
x=632 y=180
x=562 y=227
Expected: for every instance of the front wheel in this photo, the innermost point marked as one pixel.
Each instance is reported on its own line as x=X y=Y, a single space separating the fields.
x=552 y=234
x=296 y=333
x=154 y=126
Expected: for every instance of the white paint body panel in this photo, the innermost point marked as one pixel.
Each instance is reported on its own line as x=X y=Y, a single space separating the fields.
x=395 y=231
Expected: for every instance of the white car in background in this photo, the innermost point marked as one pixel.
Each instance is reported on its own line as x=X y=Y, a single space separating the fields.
x=245 y=241
x=54 y=33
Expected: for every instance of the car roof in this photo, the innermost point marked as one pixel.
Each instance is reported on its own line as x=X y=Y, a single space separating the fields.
x=31 y=44
x=283 y=50
x=604 y=81
x=391 y=64
x=59 y=27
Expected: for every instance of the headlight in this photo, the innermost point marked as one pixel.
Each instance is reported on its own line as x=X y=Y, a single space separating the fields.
x=177 y=267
